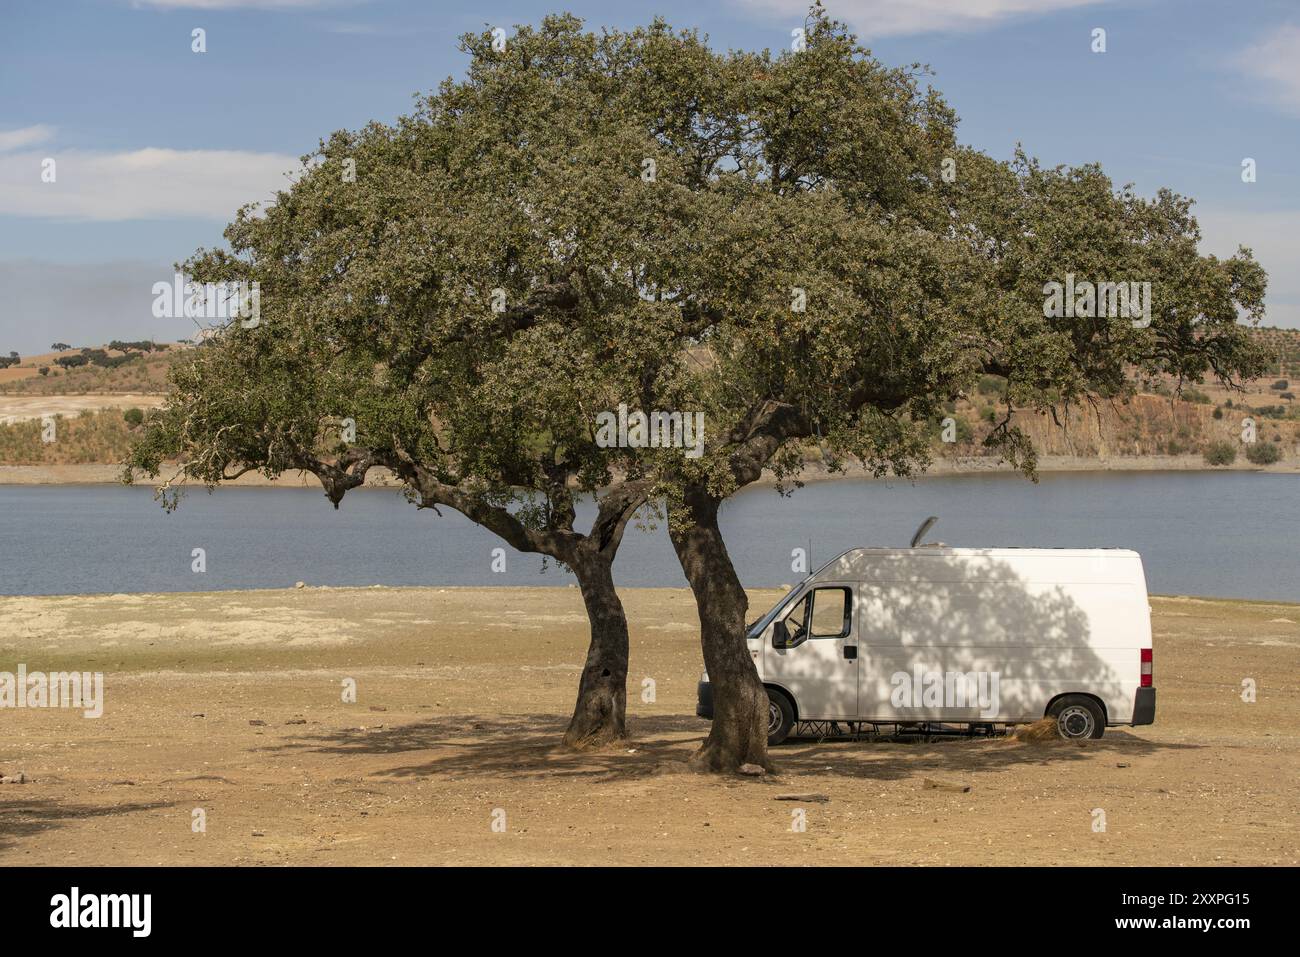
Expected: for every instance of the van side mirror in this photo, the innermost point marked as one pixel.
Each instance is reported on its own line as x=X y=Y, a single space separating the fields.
x=781 y=636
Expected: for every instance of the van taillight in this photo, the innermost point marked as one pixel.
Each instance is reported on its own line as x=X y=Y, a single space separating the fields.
x=1146 y=667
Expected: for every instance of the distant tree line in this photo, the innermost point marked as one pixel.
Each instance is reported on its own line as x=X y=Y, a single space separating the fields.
x=97 y=357
x=144 y=345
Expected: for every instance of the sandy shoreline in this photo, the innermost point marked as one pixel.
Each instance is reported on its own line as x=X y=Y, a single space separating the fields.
x=97 y=474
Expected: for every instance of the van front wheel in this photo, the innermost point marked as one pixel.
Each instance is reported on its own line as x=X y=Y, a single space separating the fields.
x=780 y=717
x=1078 y=716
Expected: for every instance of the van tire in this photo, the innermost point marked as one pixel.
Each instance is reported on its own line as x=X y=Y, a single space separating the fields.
x=780 y=716
x=1077 y=716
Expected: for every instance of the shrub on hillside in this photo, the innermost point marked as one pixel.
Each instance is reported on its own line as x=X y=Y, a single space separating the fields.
x=1220 y=453
x=1279 y=385
x=1263 y=453
x=133 y=416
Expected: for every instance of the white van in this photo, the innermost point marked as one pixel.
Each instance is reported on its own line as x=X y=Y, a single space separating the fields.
x=924 y=638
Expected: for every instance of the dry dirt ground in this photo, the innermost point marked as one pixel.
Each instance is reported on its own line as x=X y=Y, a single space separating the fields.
x=230 y=702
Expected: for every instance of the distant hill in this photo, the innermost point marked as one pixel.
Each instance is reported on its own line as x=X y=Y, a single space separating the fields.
x=1155 y=422
x=1284 y=346
x=104 y=371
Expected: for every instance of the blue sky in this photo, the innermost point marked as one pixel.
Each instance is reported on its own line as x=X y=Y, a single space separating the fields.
x=156 y=145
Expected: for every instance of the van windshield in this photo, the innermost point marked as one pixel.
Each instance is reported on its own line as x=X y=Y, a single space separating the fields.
x=758 y=627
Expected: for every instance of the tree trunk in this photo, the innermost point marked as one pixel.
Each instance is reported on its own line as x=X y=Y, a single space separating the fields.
x=739 y=732
x=599 y=716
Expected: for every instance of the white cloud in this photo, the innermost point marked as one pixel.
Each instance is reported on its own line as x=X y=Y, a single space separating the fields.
x=1274 y=62
x=878 y=18
x=141 y=184
x=27 y=136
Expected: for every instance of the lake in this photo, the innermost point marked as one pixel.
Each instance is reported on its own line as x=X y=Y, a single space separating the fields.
x=1226 y=534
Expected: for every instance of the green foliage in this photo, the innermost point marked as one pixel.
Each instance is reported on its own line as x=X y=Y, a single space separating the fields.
x=97 y=357
x=767 y=238
x=1263 y=453
x=1220 y=452
x=133 y=416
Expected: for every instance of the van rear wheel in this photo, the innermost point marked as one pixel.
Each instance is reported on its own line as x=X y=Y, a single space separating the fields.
x=1078 y=716
x=780 y=717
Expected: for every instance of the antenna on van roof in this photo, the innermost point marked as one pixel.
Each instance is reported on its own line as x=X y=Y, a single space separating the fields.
x=925 y=527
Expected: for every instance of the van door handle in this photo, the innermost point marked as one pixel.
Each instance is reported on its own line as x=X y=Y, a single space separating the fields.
x=850 y=651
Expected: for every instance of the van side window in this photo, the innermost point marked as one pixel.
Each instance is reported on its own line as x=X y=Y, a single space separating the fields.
x=797 y=620
x=832 y=613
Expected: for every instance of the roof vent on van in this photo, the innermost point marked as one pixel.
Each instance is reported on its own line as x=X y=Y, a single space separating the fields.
x=920 y=533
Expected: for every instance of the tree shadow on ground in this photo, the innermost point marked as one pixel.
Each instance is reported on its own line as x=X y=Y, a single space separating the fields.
x=519 y=745
x=897 y=758
x=527 y=745
x=27 y=817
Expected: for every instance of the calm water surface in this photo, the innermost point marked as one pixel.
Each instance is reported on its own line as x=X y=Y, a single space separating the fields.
x=1230 y=534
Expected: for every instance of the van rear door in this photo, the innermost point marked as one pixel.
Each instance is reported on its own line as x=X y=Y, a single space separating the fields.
x=819 y=666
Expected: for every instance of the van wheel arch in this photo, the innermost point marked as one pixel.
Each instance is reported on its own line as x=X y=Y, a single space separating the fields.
x=794 y=707
x=1063 y=701
x=777 y=697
